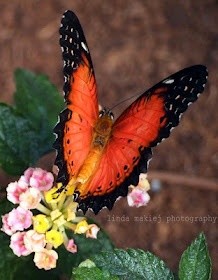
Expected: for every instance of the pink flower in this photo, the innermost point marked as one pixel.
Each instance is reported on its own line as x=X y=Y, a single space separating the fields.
x=19 y=219
x=45 y=259
x=71 y=246
x=30 y=198
x=41 y=179
x=17 y=244
x=92 y=231
x=15 y=189
x=28 y=173
x=34 y=241
x=5 y=226
x=138 y=197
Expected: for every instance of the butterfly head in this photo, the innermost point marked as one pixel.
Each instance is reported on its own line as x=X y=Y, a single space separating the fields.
x=106 y=112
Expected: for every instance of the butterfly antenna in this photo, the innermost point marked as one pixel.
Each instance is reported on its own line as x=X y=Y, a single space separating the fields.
x=125 y=100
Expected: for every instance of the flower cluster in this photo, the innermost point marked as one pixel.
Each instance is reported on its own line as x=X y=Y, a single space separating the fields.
x=38 y=225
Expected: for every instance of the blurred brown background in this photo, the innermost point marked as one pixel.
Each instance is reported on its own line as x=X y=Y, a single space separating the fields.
x=134 y=44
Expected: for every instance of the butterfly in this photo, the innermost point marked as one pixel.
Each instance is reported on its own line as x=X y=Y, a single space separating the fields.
x=101 y=157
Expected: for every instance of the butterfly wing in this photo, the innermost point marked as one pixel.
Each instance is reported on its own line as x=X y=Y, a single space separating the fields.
x=144 y=124
x=75 y=127
x=151 y=117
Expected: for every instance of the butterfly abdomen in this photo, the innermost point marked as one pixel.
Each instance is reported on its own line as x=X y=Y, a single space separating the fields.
x=89 y=169
x=102 y=132
x=90 y=165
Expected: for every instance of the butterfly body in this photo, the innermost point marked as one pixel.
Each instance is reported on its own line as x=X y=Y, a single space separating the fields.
x=99 y=157
x=102 y=131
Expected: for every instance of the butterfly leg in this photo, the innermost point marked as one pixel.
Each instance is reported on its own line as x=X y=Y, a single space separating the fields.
x=71 y=186
x=65 y=189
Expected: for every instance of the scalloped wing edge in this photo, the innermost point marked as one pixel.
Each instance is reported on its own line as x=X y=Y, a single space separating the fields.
x=63 y=175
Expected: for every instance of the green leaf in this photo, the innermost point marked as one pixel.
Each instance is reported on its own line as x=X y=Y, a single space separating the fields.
x=37 y=99
x=19 y=144
x=86 y=247
x=195 y=263
x=133 y=265
x=92 y=273
x=9 y=263
x=26 y=130
x=90 y=246
x=5 y=207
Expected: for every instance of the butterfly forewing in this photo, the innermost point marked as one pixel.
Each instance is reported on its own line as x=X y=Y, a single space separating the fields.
x=75 y=128
x=150 y=118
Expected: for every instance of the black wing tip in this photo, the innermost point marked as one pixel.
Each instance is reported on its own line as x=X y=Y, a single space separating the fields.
x=198 y=68
x=201 y=72
x=69 y=20
x=72 y=39
x=193 y=77
x=69 y=15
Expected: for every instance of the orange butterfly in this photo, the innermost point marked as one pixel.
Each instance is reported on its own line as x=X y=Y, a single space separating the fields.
x=101 y=158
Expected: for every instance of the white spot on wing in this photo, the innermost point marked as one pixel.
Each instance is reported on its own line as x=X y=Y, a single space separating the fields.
x=168 y=81
x=84 y=46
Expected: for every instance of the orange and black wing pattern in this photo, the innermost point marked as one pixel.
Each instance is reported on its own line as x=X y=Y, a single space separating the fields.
x=75 y=127
x=144 y=124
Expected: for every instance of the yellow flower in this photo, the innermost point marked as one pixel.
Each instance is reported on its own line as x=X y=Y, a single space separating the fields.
x=54 y=237
x=81 y=227
x=41 y=223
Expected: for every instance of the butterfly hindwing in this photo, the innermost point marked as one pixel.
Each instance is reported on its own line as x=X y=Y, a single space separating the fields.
x=145 y=123
x=75 y=128
x=108 y=197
